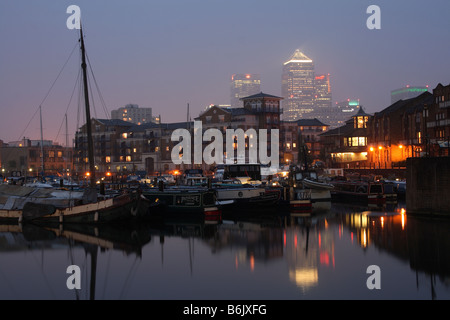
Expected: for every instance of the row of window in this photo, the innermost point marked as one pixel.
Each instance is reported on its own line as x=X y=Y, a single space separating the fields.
x=355 y=141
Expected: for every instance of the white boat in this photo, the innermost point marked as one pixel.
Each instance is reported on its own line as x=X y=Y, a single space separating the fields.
x=320 y=191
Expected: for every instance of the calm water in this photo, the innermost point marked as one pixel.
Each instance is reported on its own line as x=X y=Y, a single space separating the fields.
x=264 y=257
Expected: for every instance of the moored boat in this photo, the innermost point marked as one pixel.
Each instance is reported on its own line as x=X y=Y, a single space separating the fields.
x=359 y=191
x=320 y=190
x=182 y=200
x=90 y=208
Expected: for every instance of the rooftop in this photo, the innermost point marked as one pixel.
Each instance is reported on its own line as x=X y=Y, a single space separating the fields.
x=298 y=57
x=261 y=95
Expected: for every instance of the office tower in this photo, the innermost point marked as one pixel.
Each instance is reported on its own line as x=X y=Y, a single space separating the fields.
x=132 y=113
x=407 y=92
x=298 y=87
x=244 y=85
x=323 y=92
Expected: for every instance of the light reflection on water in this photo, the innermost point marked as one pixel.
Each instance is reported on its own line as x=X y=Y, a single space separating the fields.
x=267 y=256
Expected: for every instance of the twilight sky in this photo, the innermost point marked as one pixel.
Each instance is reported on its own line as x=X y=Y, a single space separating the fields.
x=165 y=54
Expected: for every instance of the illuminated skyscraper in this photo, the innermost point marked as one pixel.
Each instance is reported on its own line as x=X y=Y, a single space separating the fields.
x=298 y=87
x=244 y=85
x=323 y=92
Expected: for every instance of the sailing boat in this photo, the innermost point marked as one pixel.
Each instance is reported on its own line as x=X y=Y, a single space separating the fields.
x=89 y=209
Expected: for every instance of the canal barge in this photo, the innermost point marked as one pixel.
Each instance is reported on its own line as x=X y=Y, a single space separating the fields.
x=359 y=191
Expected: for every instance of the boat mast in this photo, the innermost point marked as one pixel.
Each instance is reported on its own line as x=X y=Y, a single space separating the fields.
x=88 y=113
x=42 y=144
x=67 y=151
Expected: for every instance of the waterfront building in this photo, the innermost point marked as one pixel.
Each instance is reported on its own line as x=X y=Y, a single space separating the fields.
x=294 y=135
x=407 y=92
x=258 y=111
x=346 y=146
x=414 y=127
x=243 y=85
x=397 y=132
x=24 y=158
x=122 y=148
x=298 y=87
x=134 y=114
x=105 y=134
x=438 y=121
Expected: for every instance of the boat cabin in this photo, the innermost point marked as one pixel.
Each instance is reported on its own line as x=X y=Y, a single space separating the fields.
x=245 y=172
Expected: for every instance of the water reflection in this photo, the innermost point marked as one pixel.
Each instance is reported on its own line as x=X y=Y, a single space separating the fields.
x=315 y=255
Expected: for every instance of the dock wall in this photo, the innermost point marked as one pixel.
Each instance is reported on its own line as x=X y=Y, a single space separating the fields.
x=428 y=185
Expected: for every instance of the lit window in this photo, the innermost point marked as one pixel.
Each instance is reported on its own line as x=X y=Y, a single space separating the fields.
x=128 y=159
x=362 y=141
x=124 y=135
x=108 y=159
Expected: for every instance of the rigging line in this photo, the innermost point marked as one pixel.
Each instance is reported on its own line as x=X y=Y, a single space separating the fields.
x=46 y=281
x=76 y=45
x=105 y=109
x=10 y=154
x=72 y=260
x=53 y=84
x=134 y=266
x=106 y=275
x=9 y=285
x=92 y=98
x=68 y=105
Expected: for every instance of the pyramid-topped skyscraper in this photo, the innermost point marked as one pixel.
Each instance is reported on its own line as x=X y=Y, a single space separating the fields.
x=298 y=86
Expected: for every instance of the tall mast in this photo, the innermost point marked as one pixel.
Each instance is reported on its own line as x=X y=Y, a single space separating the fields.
x=88 y=113
x=42 y=144
x=66 y=156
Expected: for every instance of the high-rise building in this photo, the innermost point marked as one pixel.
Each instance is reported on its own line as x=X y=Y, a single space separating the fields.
x=336 y=115
x=323 y=92
x=298 y=87
x=132 y=113
x=244 y=85
x=407 y=92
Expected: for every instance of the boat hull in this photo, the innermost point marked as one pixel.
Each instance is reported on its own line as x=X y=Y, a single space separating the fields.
x=116 y=209
x=367 y=193
x=183 y=201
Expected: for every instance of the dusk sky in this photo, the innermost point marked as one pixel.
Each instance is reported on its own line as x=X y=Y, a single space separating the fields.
x=166 y=54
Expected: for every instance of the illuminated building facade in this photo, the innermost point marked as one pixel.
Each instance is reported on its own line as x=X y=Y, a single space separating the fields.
x=24 y=158
x=414 y=127
x=132 y=113
x=346 y=146
x=323 y=92
x=243 y=85
x=296 y=134
x=298 y=87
